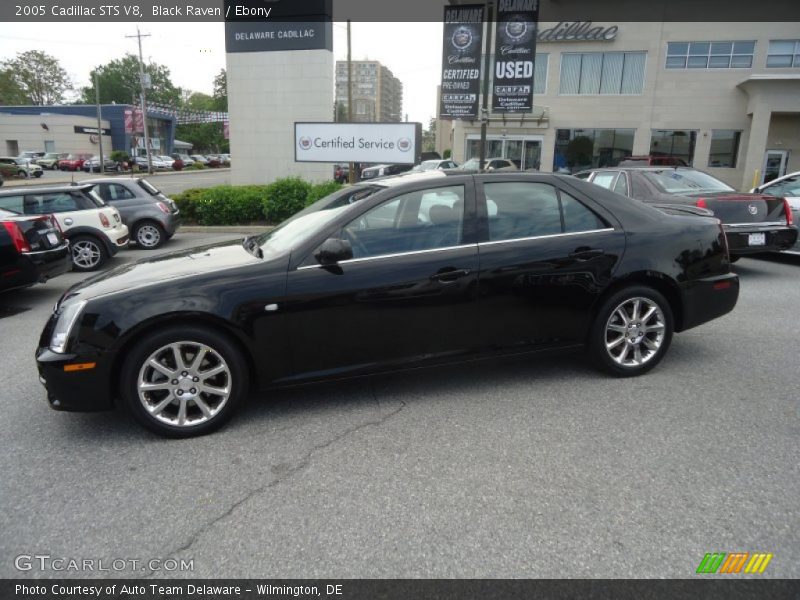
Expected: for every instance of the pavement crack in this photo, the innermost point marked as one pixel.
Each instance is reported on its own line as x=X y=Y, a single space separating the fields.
x=286 y=474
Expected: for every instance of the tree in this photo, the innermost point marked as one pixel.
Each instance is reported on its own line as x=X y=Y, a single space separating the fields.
x=204 y=137
x=119 y=83
x=220 y=94
x=34 y=77
x=429 y=137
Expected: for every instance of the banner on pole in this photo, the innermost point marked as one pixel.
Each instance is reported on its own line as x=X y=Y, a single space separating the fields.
x=461 y=61
x=514 y=55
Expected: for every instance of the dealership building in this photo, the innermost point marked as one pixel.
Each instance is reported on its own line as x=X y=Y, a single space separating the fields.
x=73 y=128
x=724 y=97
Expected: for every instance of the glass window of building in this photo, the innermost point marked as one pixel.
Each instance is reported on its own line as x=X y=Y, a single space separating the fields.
x=784 y=53
x=579 y=149
x=605 y=73
x=677 y=143
x=724 y=148
x=710 y=55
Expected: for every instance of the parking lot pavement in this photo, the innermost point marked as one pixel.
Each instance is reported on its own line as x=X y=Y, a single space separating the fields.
x=519 y=468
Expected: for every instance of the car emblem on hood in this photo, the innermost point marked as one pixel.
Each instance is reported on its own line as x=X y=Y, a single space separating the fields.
x=752 y=209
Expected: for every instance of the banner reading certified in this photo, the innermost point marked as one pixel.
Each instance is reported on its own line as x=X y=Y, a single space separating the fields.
x=461 y=61
x=514 y=55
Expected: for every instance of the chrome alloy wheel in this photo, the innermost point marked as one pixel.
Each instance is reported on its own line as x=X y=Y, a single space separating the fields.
x=635 y=332
x=148 y=236
x=86 y=254
x=184 y=384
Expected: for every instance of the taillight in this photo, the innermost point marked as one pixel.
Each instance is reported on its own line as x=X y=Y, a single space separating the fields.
x=20 y=243
x=55 y=224
x=104 y=220
x=701 y=203
x=788 y=209
x=163 y=207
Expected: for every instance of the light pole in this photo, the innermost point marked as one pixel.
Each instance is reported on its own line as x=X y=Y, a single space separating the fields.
x=99 y=120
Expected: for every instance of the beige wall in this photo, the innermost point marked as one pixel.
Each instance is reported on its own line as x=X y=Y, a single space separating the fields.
x=267 y=93
x=697 y=99
x=27 y=130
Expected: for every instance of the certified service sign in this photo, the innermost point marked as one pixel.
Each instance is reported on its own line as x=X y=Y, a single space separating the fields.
x=397 y=143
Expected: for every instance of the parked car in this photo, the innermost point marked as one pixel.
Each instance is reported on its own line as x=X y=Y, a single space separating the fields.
x=32 y=250
x=384 y=170
x=199 y=158
x=787 y=187
x=50 y=160
x=341 y=173
x=73 y=162
x=92 y=165
x=430 y=165
x=753 y=222
x=31 y=155
x=150 y=216
x=11 y=166
x=187 y=160
x=652 y=161
x=165 y=161
x=508 y=263
x=492 y=164
x=95 y=231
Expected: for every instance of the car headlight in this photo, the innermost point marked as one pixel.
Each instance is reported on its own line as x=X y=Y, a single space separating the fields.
x=66 y=319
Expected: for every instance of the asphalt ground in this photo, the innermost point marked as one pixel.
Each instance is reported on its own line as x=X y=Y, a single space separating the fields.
x=515 y=468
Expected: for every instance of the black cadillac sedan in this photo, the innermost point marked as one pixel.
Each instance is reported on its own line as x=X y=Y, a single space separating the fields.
x=407 y=271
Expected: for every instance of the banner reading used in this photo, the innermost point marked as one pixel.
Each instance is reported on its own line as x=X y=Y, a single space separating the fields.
x=514 y=55
x=461 y=61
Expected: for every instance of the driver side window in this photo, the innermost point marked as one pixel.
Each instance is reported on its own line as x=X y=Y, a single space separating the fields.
x=416 y=221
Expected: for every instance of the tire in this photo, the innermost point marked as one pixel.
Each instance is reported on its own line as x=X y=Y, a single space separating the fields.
x=650 y=339
x=88 y=253
x=38 y=173
x=149 y=235
x=734 y=259
x=22 y=174
x=180 y=407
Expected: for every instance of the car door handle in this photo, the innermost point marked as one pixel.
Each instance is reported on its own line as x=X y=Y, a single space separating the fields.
x=584 y=253
x=449 y=276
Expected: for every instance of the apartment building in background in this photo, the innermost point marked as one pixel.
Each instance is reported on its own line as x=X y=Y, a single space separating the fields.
x=377 y=93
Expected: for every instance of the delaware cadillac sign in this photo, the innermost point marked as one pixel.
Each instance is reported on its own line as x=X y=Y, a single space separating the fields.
x=396 y=143
x=514 y=55
x=461 y=61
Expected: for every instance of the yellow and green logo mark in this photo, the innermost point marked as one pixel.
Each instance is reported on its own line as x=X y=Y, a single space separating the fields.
x=733 y=562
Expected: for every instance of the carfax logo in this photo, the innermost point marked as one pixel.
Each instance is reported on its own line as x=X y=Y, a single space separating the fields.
x=305 y=143
x=734 y=562
x=404 y=144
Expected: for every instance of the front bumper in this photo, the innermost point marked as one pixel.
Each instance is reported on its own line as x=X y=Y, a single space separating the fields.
x=776 y=239
x=708 y=298
x=82 y=390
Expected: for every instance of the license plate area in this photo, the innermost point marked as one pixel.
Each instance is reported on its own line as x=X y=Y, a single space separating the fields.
x=52 y=239
x=757 y=239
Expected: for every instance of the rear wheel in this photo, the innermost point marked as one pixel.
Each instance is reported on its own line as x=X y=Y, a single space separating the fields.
x=88 y=253
x=22 y=173
x=149 y=235
x=184 y=381
x=632 y=331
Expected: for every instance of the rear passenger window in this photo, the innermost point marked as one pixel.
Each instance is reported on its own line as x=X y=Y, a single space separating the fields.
x=605 y=179
x=521 y=210
x=577 y=217
x=621 y=187
x=12 y=203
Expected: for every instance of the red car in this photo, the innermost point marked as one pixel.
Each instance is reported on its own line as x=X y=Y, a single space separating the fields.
x=73 y=162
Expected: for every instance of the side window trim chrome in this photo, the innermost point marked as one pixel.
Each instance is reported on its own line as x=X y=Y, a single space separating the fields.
x=393 y=255
x=542 y=237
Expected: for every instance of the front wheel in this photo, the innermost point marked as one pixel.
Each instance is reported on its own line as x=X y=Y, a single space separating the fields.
x=149 y=235
x=632 y=331
x=184 y=381
x=38 y=173
x=88 y=253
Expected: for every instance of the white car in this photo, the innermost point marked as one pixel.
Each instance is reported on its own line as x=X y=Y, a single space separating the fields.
x=166 y=161
x=95 y=230
x=787 y=187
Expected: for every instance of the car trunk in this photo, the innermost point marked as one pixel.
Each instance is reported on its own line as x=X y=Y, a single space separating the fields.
x=738 y=208
x=41 y=233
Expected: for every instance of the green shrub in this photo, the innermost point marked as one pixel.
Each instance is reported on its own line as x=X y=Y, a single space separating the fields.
x=284 y=197
x=119 y=156
x=320 y=190
x=187 y=203
x=196 y=166
x=229 y=205
x=447 y=153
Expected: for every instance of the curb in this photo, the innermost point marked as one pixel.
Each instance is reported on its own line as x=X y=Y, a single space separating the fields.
x=7 y=183
x=233 y=229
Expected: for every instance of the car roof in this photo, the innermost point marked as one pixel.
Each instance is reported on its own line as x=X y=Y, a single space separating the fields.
x=641 y=168
x=45 y=189
x=95 y=180
x=781 y=178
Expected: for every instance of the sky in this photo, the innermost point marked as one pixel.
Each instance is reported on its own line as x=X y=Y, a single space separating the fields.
x=195 y=52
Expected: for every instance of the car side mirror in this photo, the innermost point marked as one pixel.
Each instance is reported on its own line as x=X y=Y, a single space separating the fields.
x=332 y=251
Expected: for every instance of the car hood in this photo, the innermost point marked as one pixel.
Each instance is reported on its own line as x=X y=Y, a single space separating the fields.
x=202 y=261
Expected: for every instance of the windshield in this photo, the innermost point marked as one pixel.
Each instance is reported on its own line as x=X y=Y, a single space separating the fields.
x=148 y=187
x=683 y=181
x=427 y=165
x=470 y=165
x=308 y=221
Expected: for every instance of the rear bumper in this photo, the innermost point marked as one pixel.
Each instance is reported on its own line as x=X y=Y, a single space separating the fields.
x=171 y=223
x=776 y=239
x=80 y=390
x=36 y=267
x=708 y=298
x=118 y=239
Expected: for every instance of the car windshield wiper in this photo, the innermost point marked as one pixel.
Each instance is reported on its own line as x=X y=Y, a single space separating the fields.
x=250 y=244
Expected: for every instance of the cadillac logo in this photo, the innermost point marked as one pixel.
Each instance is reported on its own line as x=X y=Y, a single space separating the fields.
x=404 y=144
x=305 y=143
x=516 y=29
x=462 y=38
x=752 y=209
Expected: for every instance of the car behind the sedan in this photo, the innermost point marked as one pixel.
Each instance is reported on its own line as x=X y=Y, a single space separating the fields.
x=32 y=250
x=409 y=271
